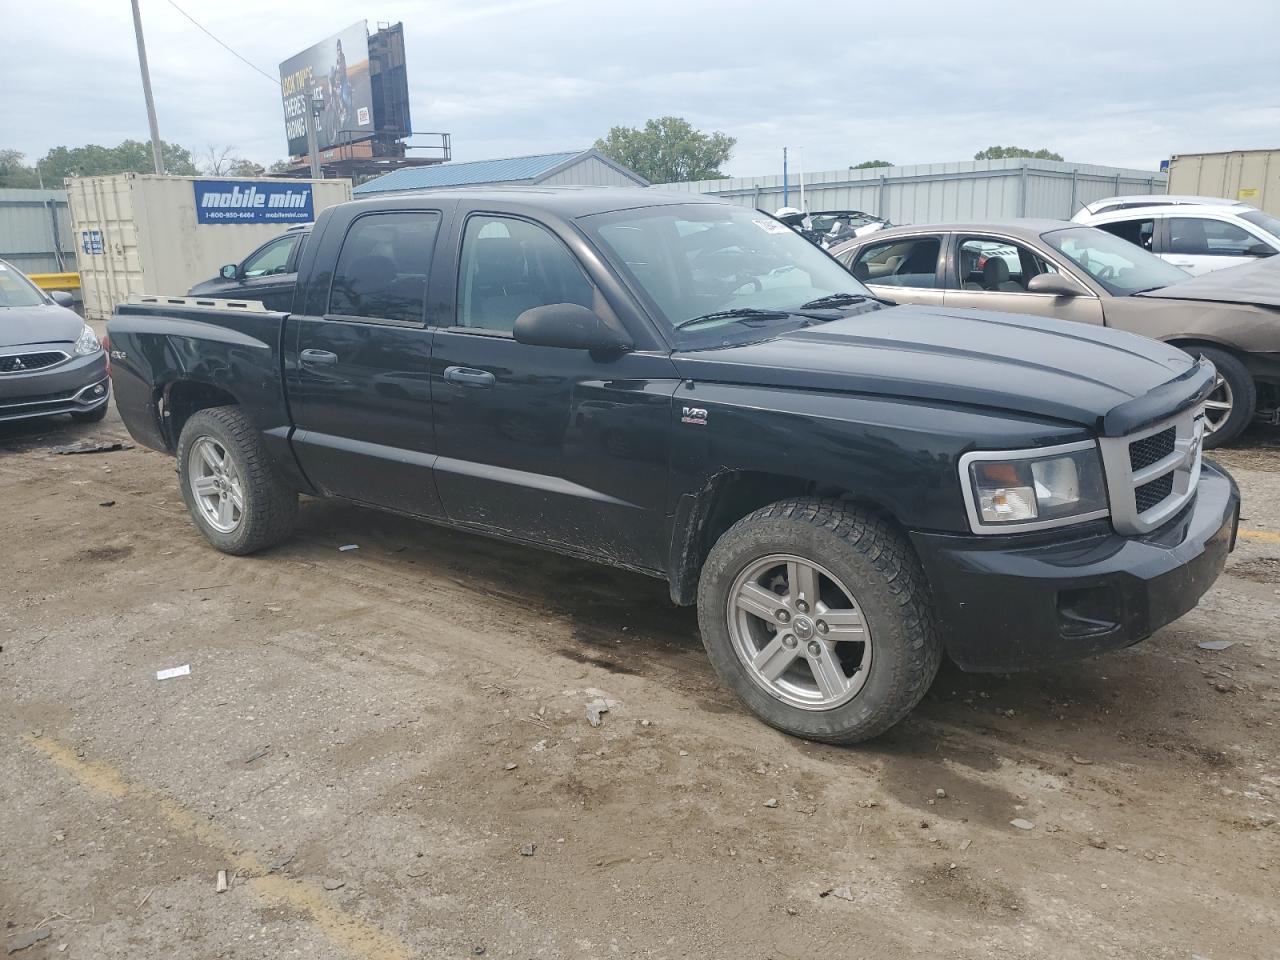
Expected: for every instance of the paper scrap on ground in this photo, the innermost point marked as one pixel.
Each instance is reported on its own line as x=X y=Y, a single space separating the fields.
x=172 y=672
x=349 y=546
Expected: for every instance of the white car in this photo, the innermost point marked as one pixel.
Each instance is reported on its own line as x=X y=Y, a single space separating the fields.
x=1198 y=237
x=1112 y=204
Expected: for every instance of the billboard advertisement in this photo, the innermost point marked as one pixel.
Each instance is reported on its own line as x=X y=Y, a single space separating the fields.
x=338 y=69
x=252 y=201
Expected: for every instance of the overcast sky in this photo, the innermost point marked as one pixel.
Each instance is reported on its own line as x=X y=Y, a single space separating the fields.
x=910 y=81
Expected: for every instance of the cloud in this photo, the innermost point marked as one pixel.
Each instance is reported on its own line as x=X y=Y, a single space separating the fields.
x=1099 y=82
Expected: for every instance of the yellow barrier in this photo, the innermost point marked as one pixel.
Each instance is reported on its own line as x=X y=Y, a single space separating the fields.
x=55 y=281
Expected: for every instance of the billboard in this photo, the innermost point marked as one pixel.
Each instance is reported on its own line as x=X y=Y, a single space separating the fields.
x=337 y=68
x=252 y=201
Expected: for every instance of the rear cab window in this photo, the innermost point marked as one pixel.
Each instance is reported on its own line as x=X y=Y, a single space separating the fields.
x=381 y=273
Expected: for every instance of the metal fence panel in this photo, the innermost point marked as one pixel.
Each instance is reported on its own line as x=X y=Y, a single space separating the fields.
x=29 y=222
x=940 y=192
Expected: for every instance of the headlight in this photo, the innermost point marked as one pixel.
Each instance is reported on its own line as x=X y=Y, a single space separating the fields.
x=88 y=342
x=1033 y=489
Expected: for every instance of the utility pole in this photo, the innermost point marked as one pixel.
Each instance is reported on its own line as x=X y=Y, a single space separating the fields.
x=156 y=153
x=786 y=187
x=315 y=105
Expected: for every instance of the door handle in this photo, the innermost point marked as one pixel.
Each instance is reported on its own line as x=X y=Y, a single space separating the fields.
x=469 y=377
x=318 y=357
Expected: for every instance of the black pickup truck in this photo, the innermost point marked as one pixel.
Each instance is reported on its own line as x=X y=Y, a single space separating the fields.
x=688 y=389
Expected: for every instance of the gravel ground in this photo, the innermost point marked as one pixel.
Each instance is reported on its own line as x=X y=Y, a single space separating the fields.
x=388 y=753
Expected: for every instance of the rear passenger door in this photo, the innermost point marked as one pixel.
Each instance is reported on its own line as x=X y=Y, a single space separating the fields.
x=992 y=272
x=359 y=384
x=905 y=269
x=546 y=444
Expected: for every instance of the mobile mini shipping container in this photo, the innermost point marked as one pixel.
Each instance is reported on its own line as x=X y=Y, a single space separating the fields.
x=1249 y=175
x=141 y=233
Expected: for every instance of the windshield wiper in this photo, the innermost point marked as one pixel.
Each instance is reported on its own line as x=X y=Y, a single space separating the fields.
x=741 y=314
x=841 y=299
x=1148 y=289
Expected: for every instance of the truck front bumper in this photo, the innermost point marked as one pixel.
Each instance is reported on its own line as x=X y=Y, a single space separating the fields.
x=1010 y=604
x=77 y=385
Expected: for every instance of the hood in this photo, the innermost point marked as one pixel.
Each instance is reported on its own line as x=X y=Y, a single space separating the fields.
x=48 y=323
x=210 y=286
x=1032 y=365
x=1255 y=283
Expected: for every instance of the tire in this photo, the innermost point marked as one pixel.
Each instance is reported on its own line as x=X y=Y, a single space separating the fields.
x=1236 y=387
x=861 y=562
x=91 y=416
x=268 y=508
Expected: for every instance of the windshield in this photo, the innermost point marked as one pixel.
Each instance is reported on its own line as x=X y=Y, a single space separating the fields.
x=690 y=260
x=1117 y=265
x=16 y=290
x=1264 y=220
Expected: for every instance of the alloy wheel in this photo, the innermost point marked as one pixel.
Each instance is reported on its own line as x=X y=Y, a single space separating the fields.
x=215 y=484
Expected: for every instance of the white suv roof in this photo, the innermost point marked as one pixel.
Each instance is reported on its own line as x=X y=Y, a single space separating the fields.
x=1134 y=201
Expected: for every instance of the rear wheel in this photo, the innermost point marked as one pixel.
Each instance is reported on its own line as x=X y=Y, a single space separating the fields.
x=817 y=615
x=232 y=488
x=1234 y=399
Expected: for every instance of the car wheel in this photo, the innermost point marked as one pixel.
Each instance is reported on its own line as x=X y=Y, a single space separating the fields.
x=231 y=486
x=90 y=416
x=817 y=615
x=1235 y=397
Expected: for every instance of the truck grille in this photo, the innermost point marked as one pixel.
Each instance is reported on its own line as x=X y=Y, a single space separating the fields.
x=22 y=362
x=1153 y=473
x=1149 y=450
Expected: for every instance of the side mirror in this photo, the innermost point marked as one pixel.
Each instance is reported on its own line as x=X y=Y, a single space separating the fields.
x=571 y=326
x=62 y=298
x=1259 y=249
x=1056 y=284
x=230 y=272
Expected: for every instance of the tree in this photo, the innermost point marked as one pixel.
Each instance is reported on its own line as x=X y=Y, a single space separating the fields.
x=225 y=163
x=131 y=156
x=281 y=166
x=14 y=171
x=1001 y=153
x=868 y=164
x=668 y=150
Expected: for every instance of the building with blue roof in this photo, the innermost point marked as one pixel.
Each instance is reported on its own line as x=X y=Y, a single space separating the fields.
x=575 y=168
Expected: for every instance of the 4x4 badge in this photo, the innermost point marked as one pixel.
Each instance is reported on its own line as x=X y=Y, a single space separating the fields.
x=694 y=415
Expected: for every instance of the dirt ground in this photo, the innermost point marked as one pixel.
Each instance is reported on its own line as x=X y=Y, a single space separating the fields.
x=387 y=751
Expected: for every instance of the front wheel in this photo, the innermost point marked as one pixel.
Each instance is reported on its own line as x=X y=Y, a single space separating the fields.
x=817 y=615
x=1234 y=399
x=230 y=484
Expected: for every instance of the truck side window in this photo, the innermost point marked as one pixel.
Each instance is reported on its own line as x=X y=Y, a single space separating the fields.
x=382 y=269
x=272 y=258
x=509 y=266
x=910 y=262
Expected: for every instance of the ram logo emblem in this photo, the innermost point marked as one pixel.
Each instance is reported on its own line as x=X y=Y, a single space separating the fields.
x=694 y=415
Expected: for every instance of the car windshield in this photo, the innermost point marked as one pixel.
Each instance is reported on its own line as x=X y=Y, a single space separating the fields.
x=1118 y=266
x=691 y=260
x=1264 y=220
x=16 y=290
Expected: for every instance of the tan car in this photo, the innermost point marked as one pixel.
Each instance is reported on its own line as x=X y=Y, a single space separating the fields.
x=1055 y=268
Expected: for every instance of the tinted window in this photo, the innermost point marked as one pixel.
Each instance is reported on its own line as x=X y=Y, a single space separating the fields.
x=510 y=266
x=1264 y=220
x=1118 y=266
x=990 y=263
x=382 y=269
x=1139 y=232
x=1202 y=236
x=273 y=258
x=911 y=262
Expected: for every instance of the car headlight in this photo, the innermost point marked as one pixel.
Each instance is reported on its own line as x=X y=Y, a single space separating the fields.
x=88 y=342
x=1033 y=489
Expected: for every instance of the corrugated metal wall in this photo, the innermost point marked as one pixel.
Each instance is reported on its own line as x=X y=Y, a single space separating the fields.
x=588 y=172
x=28 y=220
x=941 y=192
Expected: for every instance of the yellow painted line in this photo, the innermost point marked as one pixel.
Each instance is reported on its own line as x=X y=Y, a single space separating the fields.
x=56 y=281
x=346 y=930
x=1262 y=536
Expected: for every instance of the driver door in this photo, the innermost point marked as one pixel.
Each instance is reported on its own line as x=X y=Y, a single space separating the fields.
x=992 y=273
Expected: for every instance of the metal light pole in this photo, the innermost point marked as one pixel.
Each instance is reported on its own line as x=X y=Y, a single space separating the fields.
x=314 y=108
x=156 y=153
